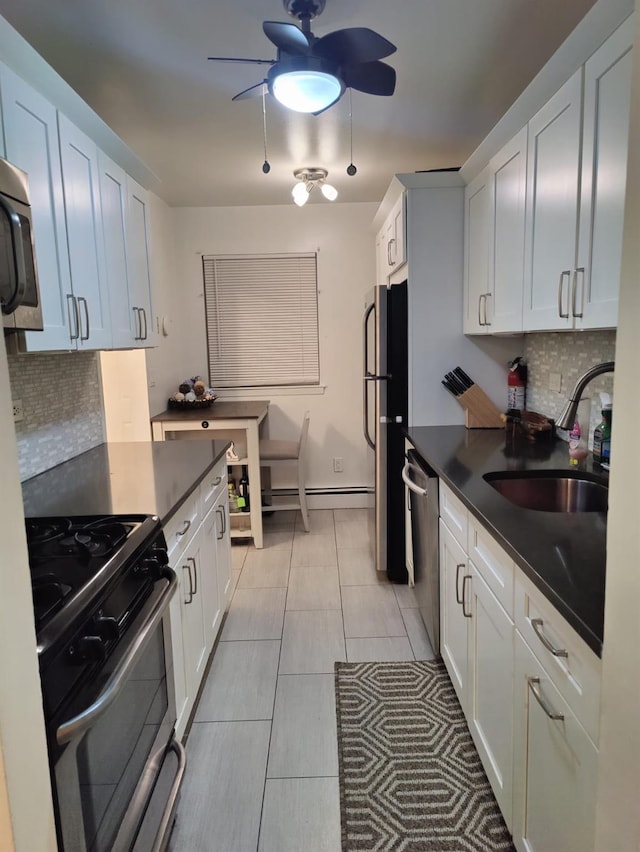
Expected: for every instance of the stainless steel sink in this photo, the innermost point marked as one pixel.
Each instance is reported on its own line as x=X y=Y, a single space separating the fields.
x=550 y=492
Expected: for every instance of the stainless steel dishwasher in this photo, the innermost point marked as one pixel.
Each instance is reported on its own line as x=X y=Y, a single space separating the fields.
x=422 y=483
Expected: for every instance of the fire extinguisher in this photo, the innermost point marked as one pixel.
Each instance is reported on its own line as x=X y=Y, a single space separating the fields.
x=517 y=385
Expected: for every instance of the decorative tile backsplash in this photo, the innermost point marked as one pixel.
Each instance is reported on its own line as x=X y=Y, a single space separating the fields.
x=62 y=403
x=569 y=354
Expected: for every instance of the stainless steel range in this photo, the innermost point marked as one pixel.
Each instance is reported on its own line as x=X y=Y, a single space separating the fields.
x=101 y=592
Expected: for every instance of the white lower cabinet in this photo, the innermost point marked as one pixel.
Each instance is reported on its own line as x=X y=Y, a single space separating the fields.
x=200 y=553
x=555 y=765
x=532 y=714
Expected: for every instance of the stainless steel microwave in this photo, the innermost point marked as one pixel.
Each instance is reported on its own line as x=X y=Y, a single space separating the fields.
x=19 y=293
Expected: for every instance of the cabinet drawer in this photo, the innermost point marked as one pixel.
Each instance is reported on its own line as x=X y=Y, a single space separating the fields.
x=214 y=483
x=181 y=526
x=454 y=514
x=574 y=669
x=492 y=563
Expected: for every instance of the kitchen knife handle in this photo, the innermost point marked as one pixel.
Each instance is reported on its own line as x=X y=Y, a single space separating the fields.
x=464 y=378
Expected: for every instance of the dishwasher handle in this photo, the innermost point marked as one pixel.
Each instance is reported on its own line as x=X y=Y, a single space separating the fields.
x=422 y=492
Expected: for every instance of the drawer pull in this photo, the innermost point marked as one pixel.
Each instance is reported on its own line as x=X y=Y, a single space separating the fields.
x=195 y=574
x=464 y=583
x=185 y=528
x=531 y=681
x=217 y=481
x=458 y=567
x=537 y=623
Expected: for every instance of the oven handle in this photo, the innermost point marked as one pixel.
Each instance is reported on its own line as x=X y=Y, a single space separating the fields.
x=150 y=617
x=162 y=835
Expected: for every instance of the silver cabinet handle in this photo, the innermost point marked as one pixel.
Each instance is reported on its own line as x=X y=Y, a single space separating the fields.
x=76 y=317
x=574 y=293
x=532 y=682
x=146 y=330
x=216 y=481
x=188 y=568
x=480 y=300
x=486 y=296
x=458 y=567
x=86 y=316
x=223 y=519
x=195 y=573
x=566 y=272
x=537 y=623
x=392 y=257
x=138 y=334
x=185 y=528
x=464 y=609
x=422 y=492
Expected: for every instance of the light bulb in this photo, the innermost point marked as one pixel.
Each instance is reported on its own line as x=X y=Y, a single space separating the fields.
x=300 y=193
x=306 y=91
x=329 y=191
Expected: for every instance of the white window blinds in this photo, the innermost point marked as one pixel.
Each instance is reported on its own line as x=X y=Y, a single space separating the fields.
x=262 y=320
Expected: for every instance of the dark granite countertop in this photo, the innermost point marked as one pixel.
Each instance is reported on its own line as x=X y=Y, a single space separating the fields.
x=563 y=554
x=151 y=478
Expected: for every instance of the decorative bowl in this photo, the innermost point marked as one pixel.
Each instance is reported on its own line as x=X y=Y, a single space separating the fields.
x=189 y=405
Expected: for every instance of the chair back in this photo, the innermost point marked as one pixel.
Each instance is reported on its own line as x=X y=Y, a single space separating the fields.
x=304 y=434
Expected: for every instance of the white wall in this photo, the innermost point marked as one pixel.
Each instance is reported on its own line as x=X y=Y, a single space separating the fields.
x=342 y=236
x=22 y=738
x=618 y=810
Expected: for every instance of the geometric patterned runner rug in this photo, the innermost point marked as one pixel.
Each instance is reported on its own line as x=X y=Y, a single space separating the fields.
x=410 y=775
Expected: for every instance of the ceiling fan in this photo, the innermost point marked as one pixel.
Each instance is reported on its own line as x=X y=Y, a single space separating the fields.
x=310 y=74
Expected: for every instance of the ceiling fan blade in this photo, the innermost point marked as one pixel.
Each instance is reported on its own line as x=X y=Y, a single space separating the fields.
x=252 y=92
x=286 y=37
x=353 y=46
x=237 y=59
x=374 y=78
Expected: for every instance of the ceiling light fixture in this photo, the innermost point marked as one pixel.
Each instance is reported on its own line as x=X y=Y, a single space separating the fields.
x=309 y=85
x=308 y=178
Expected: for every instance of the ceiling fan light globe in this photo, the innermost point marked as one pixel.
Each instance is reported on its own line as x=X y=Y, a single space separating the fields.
x=300 y=193
x=306 y=91
x=329 y=191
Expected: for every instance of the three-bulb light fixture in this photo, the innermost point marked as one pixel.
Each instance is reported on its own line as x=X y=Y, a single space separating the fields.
x=308 y=178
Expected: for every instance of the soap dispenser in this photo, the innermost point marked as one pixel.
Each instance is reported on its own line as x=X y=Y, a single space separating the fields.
x=602 y=433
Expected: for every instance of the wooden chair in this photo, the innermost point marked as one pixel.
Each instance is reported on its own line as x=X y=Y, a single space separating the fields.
x=288 y=452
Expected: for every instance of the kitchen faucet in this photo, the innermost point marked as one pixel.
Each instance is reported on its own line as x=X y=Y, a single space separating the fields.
x=568 y=416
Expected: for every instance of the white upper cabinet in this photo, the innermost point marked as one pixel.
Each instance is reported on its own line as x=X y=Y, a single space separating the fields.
x=125 y=227
x=553 y=173
x=477 y=292
x=575 y=201
x=391 y=242
x=607 y=103
x=508 y=176
x=81 y=187
x=31 y=139
x=138 y=264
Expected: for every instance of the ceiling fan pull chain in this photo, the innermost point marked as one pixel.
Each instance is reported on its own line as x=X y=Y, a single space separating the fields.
x=351 y=169
x=266 y=167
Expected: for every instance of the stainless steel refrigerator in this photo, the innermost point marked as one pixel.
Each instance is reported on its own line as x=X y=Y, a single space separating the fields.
x=384 y=417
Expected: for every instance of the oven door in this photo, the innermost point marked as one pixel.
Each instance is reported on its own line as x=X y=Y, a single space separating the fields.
x=113 y=750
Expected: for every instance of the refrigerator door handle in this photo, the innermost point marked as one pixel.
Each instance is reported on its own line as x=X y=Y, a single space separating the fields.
x=367 y=377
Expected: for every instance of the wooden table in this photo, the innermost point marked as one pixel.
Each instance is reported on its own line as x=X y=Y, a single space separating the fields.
x=238 y=420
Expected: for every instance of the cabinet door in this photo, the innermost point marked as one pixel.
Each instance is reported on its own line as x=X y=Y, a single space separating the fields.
x=31 y=136
x=138 y=262
x=553 y=154
x=607 y=104
x=555 y=766
x=453 y=622
x=177 y=668
x=208 y=578
x=382 y=263
x=113 y=190
x=194 y=645
x=506 y=239
x=490 y=709
x=477 y=200
x=223 y=550
x=396 y=235
x=81 y=186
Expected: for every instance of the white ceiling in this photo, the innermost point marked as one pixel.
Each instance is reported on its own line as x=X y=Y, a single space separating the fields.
x=142 y=65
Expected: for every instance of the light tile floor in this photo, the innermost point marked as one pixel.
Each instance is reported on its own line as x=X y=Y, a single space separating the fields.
x=263 y=764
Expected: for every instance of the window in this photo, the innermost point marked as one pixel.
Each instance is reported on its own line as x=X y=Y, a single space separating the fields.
x=262 y=320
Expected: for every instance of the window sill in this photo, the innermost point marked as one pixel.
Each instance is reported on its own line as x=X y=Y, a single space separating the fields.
x=279 y=390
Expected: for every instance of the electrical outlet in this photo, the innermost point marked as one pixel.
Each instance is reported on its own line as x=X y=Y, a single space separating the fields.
x=338 y=465
x=18 y=411
x=555 y=381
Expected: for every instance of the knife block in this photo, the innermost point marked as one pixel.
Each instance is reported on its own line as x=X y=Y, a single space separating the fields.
x=479 y=411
